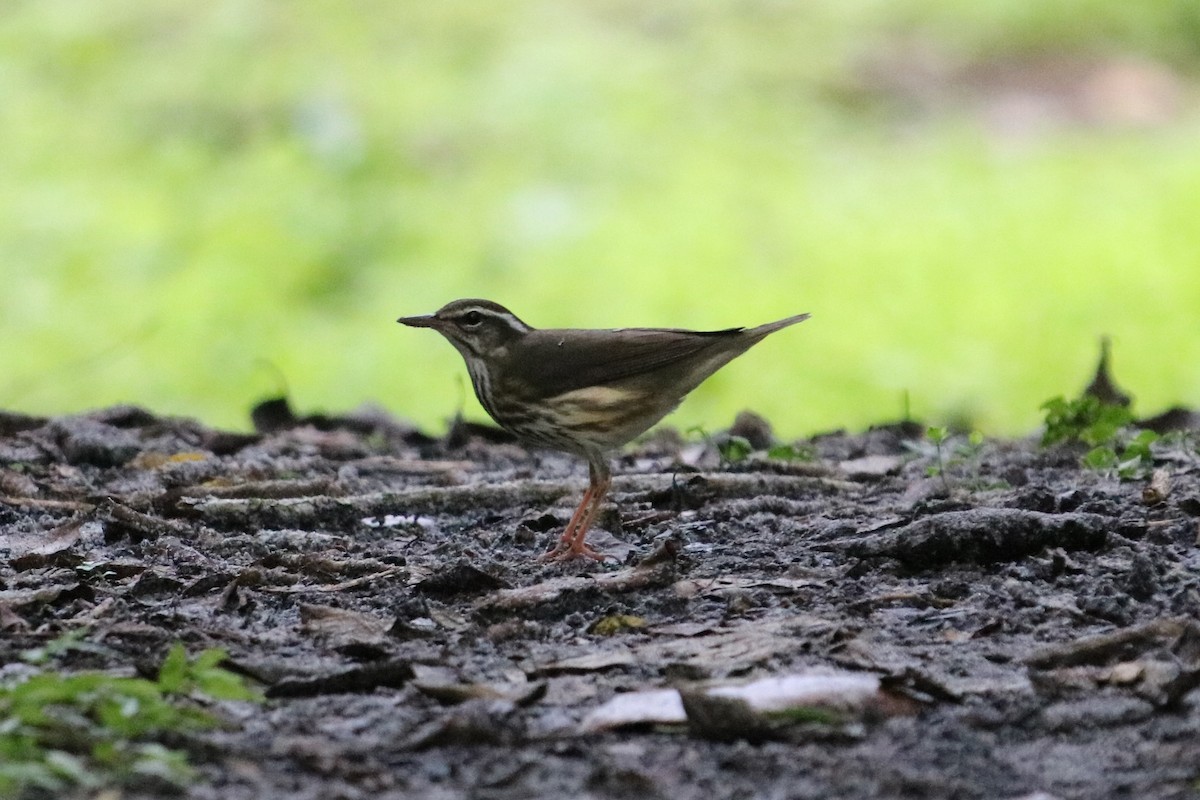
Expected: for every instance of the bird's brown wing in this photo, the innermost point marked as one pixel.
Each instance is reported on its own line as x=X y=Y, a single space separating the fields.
x=561 y=361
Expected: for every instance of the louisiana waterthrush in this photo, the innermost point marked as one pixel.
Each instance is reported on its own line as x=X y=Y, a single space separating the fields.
x=586 y=392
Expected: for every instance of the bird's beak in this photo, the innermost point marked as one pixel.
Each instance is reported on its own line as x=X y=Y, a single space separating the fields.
x=424 y=321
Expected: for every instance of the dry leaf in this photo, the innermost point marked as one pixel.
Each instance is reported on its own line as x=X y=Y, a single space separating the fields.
x=339 y=627
x=592 y=662
x=846 y=692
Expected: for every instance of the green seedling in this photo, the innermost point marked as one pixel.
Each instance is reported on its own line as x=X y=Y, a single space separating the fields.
x=1103 y=427
x=91 y=729
x=1085 y=419
x=792 y=452
x=731 y=450
x=947 y=458
x=937 y=436
x=1131 y=462
x=734 y=449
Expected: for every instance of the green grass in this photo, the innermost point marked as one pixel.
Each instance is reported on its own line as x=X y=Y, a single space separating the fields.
x=200 y=199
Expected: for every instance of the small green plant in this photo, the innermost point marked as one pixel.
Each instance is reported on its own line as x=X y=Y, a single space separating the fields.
x=937 y=436
x=180 y=676
x=1103 y=427
x=731 y=450
x=71 y=640
x=1085 y=419
x=735 y=449
x=792 y=452
x=92 y=729
x=1131 y=462
x=965 y=452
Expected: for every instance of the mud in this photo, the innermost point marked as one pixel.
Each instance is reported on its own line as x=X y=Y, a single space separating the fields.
x=1033 y=623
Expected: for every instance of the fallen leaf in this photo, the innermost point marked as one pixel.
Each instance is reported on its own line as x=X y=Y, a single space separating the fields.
x=154 y=459
x=1126 y=672
x=592 y=662
x=723 y=719
x=390 y=674
x=339 y=627
x=849 y=693
x=871 y=466
x=459 y=579
x=522 y=694
x=615 y=623
x=686 y=629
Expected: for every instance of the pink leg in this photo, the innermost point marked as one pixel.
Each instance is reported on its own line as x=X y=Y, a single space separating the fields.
x=598 y=494
x=571 y=544
x=568 y=534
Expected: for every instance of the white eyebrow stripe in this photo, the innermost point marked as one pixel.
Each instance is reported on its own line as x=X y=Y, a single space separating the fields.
x=508 y=319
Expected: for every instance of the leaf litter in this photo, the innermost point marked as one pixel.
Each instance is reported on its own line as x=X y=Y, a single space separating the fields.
x=846 y=625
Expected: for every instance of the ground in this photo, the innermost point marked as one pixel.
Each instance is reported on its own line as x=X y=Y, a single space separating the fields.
x=1022 y=625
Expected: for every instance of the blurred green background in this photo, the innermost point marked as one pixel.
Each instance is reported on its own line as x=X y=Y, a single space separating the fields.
x=202 y=203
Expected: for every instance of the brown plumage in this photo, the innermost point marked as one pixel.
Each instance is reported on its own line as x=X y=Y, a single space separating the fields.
x=586 y=392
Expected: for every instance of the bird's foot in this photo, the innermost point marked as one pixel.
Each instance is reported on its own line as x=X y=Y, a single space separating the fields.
x=566 y=551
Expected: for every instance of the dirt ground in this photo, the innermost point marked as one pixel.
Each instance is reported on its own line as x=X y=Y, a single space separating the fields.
x=1023 y=628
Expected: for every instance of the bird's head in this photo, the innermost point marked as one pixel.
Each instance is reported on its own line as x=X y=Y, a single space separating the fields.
x=477 y=328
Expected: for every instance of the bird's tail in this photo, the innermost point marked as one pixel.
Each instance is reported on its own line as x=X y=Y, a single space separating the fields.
x=771 y=327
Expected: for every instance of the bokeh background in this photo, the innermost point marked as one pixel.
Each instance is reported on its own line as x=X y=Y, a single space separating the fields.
x=203 y=204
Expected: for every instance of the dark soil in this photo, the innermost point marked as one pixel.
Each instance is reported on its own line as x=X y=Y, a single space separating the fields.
x=1034 y=624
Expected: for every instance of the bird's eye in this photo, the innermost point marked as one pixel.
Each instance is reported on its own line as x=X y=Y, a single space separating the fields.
x=472 y=319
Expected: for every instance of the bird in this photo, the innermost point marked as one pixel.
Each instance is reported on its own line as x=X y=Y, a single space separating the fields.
x=586 y=392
